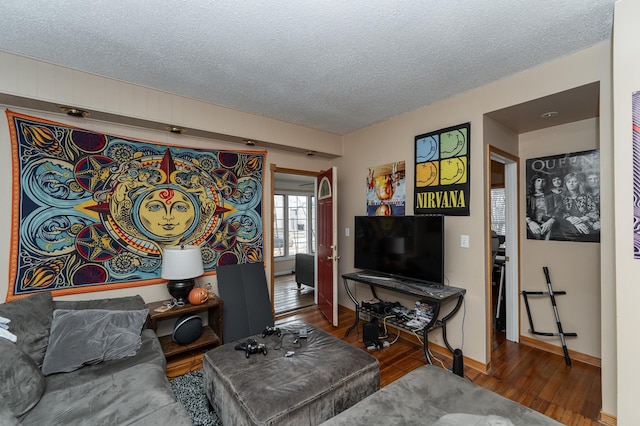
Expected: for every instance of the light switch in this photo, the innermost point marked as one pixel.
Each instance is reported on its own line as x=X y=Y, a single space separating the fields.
x=346 y=232
x=464 y=241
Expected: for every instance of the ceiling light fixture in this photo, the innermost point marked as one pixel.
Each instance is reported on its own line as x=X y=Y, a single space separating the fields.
x=549 y=114
x=74 y=112
x=249 y=142
x=175 y=129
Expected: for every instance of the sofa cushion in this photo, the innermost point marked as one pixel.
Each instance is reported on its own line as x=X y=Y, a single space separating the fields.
x=30 y=322
x=6 y=415
x=21 y=383
x=90 y=336
x=139 y=395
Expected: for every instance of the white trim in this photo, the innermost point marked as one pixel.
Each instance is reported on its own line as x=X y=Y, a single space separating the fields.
x=512 y=296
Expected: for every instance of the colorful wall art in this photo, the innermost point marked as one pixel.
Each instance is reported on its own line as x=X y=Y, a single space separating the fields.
x=386 y=195
x=442 y=171
x=635 y=130
x=93 y=211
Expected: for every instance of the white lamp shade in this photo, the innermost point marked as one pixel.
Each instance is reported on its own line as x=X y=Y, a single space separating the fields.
x=181 y=262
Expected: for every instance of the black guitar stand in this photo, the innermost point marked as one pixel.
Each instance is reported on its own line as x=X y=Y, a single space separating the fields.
x=551 y=294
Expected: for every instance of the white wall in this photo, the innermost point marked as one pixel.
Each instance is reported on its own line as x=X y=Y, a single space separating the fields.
x=626 y=77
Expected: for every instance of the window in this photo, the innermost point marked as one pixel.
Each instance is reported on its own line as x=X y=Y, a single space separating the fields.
x=498 y=215
x=293 y=224
x=278 y=226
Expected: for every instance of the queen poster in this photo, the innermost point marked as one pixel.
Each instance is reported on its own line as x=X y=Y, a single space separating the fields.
x=563 y=197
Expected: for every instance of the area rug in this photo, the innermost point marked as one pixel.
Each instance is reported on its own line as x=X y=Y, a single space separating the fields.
x=189 y=390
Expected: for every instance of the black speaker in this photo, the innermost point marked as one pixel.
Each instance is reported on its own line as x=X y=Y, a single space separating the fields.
x=370 y=335
x=458 y=363
x=188 y=329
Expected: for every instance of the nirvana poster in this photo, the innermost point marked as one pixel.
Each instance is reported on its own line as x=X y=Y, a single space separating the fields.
x=442 y=171
x=93 y=211
x=563 y=197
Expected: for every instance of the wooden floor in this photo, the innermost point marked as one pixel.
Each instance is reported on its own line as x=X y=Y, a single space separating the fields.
x=532 y=377
x=288 y=297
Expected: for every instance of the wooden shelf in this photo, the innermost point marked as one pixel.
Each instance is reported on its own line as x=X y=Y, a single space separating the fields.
x=171 y=348
x=211 y=333
x=183 y=364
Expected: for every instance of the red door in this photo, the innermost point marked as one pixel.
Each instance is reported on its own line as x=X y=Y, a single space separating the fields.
x=327 y=266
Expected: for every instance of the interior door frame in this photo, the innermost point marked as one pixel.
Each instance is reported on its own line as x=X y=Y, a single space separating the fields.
x=273 y=170
x=512 y=287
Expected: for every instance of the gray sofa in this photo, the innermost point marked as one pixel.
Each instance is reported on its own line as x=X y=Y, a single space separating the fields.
x=117 y=388
x=431 y=395
x=305 y=269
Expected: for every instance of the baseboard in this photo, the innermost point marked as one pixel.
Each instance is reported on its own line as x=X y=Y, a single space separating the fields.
x=608 y=419
x=443 y=352
x=548 y=347
x=179 y=365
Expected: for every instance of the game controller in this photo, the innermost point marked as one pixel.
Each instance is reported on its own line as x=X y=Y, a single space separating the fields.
x=269 y=331
x=252 y=347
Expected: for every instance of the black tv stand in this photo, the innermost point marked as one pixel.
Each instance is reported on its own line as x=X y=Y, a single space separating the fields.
x=432 y=294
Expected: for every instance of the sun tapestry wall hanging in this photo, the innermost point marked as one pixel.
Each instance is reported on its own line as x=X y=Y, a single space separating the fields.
x=92 y=211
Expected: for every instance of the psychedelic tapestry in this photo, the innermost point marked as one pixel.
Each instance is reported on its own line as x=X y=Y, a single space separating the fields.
x=442 y=171
x=92 y=211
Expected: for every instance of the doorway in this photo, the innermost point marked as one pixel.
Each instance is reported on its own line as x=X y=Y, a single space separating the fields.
x=504 y=270
x=498 y=253
x=292 y=233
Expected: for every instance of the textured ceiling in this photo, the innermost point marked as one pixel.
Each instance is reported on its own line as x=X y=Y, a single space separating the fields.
x=335 y=65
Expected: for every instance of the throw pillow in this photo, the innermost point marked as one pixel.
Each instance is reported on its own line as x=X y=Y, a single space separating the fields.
x=21 y=383
x=91 y=336
x=30 y=322
x=124 y=303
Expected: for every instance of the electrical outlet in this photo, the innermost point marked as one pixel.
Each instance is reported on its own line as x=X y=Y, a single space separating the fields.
x=464 y=241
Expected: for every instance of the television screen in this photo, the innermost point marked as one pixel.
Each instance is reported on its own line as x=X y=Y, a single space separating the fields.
x=403 y=246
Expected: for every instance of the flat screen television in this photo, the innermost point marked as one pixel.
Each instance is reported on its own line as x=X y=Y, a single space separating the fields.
x=410 y=247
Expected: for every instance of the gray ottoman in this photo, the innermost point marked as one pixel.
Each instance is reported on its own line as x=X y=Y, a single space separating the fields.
x=324 y=377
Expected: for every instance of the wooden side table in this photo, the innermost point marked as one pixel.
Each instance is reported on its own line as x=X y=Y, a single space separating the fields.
x=178 y=355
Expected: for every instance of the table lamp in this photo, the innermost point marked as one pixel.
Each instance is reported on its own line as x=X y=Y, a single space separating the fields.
x=180 y=265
